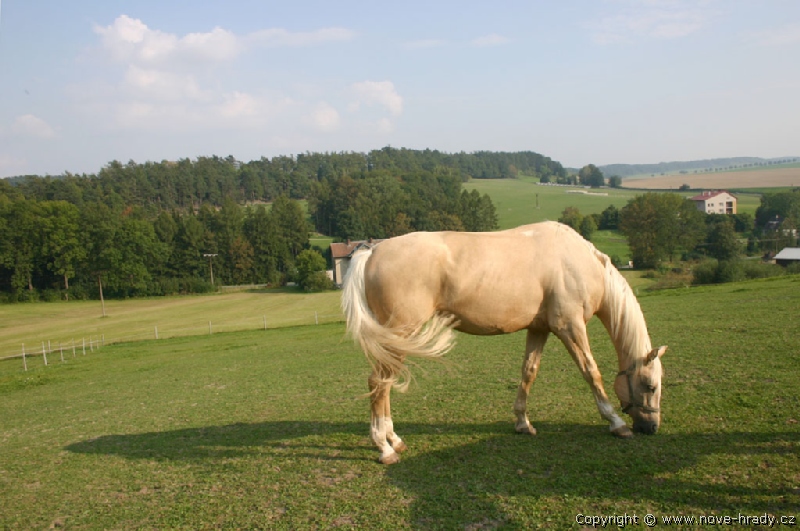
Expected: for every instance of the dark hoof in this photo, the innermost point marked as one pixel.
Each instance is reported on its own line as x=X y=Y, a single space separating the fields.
x=623 y=432
x=390 y=459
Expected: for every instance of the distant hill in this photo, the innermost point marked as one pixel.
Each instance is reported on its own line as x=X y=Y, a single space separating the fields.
x=694 y=166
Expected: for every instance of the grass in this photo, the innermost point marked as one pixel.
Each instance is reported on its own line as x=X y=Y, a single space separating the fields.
x=63 y=322
x=269 y=429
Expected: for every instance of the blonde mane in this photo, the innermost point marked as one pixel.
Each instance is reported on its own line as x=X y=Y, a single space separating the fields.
x=626 y=324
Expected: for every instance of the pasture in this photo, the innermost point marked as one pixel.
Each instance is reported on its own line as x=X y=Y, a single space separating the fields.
x=269 y=429
x=515 y=199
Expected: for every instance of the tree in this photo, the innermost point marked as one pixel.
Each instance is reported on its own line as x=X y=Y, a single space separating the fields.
x=588 y=227
x=61 y=242
x=311 y=274
x=590 y=175
x=615 y=181
x=571 y=216
x=609 y=218
x=723 y=243
x=657 y=224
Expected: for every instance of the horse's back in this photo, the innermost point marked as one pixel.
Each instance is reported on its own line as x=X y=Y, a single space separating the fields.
x=493 y=282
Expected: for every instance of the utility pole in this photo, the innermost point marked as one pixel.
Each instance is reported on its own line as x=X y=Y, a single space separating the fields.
x=210 y=256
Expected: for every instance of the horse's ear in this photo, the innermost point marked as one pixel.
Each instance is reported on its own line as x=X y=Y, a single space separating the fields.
x=655 y=353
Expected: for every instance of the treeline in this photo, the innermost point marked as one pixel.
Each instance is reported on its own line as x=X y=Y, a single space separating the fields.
x=186 y=184
x=384 y=204
x=55 y=250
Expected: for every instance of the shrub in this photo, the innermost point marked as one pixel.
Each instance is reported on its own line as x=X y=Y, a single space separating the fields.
x=730 y=271
x=705 y=272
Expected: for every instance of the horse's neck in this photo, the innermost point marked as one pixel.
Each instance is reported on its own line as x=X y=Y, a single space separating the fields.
x=624 y=320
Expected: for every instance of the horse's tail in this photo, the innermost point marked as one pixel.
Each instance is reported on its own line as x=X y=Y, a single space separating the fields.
x=386 y=348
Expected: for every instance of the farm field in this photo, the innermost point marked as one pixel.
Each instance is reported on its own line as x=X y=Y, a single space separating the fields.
x=756 y=178
x=269 y=429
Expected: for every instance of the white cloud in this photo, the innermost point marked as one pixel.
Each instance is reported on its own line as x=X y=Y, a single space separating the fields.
x=275 y=37
x=325 y=118
x=32 y=126
x=424 y=44
x=162 y=85
x=131 y=40
x=492 y=39
x=783 y=36
x=657 y=19
x=380 y=93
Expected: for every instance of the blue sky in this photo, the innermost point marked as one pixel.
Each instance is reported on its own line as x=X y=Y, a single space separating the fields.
x=85 y=82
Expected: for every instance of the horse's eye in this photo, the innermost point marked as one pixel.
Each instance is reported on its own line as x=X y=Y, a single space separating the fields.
x=650 y=388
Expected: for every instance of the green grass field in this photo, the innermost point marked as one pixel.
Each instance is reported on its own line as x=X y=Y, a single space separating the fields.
x=129 y=320
x=516 y=199
x=269 y=429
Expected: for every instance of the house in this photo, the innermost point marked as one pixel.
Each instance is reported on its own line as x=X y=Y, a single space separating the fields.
x=788 y=256
x=715 y=202
x=341 y=253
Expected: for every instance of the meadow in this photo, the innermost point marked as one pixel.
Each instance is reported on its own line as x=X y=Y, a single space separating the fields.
x=268 y=429
x=516 y=200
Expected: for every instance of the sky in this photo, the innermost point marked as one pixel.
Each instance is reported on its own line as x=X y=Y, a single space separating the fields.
x=86 y=82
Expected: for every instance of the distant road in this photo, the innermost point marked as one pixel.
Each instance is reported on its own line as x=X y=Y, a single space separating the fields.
x=760 y=178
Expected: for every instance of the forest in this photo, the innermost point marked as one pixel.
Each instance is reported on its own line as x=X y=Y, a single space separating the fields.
x=158 y=228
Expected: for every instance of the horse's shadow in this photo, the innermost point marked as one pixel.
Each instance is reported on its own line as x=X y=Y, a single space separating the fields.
x=469 y=481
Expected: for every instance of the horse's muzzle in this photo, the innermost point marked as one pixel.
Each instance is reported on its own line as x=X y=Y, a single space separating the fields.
x=646 y=427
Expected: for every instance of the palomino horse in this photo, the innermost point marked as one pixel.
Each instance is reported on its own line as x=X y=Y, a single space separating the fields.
x=405 y=296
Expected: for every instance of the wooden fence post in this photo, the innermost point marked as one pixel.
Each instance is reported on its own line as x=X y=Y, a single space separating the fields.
x=24 y=361
x=209 y=328
x=156 y=328
x=316 y=318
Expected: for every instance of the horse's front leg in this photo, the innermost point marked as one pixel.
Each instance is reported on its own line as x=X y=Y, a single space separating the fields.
x=534 y=345
x=381 y=425
x=577 y=342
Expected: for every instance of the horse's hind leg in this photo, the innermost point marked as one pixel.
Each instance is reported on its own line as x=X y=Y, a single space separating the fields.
x=534 y=345
x=381 y=425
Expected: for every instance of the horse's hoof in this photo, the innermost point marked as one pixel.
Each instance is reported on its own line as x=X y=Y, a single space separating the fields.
x=623 y=432
x=526 y=429
x=389 y=459
x=400 y=447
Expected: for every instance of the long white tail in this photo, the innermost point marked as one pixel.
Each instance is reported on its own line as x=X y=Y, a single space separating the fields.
x=386 y=348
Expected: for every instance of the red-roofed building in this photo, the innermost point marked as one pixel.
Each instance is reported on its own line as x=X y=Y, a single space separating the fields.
x=715 y=202
x=341 y=253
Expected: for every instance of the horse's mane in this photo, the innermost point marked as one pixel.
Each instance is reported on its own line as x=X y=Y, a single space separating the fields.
x=626 y=324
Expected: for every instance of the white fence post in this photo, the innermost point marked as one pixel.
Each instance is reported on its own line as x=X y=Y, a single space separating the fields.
x=44 y=353
x=209 y=328
x=73 y=347
x=61 y=349
x=84 y=346
x=265 y=322
x=24 y=361
x=316 y=318
x=156 y=327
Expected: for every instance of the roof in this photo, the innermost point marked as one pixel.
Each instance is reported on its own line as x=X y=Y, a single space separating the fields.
x=789 y=253
x=708 y=194
x=345 y=249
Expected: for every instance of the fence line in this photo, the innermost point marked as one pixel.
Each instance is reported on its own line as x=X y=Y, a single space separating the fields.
x=98 y=341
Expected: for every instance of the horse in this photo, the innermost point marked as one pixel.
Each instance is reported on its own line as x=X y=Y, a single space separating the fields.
x=405 y=296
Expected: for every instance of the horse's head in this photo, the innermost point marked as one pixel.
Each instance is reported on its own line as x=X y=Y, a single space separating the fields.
x=639 y=391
